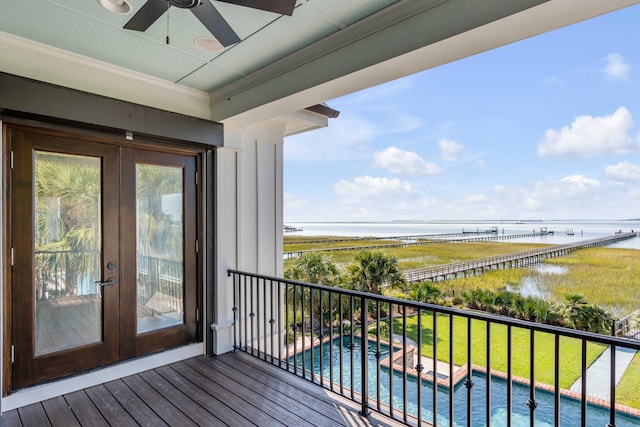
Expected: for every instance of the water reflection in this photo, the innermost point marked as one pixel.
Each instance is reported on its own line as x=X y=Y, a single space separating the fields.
x=533 y=285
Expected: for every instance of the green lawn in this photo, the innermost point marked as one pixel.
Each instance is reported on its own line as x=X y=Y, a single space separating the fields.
x=570 y=349
x=627 y=392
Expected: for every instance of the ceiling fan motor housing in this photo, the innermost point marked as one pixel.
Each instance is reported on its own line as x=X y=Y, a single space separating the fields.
x=184 y=4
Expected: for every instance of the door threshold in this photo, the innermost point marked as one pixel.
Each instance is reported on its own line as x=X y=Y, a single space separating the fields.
x=48 y=390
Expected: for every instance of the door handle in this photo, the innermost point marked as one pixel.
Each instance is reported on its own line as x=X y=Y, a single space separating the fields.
x=109 y=282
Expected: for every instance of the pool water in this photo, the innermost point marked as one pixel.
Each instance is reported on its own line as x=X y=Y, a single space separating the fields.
x=544 y=414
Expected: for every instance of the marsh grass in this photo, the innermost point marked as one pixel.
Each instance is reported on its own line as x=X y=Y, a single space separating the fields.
x=419 y=256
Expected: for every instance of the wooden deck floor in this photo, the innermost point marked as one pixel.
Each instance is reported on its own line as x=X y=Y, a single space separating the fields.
x=233 y=389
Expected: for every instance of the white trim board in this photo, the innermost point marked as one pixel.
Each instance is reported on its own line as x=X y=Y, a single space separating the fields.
x=52 y=389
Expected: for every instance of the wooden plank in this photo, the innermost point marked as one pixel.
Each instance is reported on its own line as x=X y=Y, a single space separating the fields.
x=10 y=419
x=290 y=411
x=59 y=412
x=293 y=386
x=109 y=407
x=191 y=409
x=161 y=406
x=33 y=415
x=224 y=405
x=244 y=402
x=320 y=402
x=84 y=409
x=135 y=406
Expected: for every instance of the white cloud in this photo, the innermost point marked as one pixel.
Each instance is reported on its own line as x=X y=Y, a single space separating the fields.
x=402 y=162
x=450 y=150
x=623 y=171
x=616 y=68
x=579 y=183
x=592 y=136
x=363 y=187
x=291 y=201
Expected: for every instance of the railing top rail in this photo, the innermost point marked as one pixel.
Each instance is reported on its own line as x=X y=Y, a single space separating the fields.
x=488 y=317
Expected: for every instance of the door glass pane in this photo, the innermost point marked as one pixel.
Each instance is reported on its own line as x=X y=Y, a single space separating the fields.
x=67 y=251
x=160 y=243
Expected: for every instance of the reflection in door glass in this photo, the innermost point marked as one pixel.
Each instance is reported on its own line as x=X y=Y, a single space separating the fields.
x=67 y=251
x=160 y=243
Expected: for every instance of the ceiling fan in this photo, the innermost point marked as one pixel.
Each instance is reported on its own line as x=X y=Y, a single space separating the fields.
x=206 y=13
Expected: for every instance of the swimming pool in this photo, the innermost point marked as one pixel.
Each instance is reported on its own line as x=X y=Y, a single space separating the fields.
x=544 y=415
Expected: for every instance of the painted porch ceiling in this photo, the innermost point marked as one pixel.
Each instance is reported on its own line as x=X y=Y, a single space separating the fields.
x=85 y=28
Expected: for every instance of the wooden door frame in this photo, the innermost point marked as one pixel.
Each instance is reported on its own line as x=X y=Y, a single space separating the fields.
x=92 y=134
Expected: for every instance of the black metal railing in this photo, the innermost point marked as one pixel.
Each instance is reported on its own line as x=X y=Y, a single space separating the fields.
x=628 y=326
x=423 y=364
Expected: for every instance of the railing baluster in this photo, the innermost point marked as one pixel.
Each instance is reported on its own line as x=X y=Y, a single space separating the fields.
x=435 y=368
x=612 y=387
x=279 y=310
x=469 y=382
x=245 y=318
x=488 y=373
x=391 y=353
x=311 y=337
x=364 y=364
x=252 y=314
x=509 y=376
x=378 y=355
x=352 y=347
x=331 y=341
x=341 y=346
x=418 y=368
x=556 y=380
x=451 y=372
x=257 y=314
x=304 y=339
x=532 y=379
x=404 y=363
x=583 y=399
x=295 y=330
x=320 y=336
x=287 y=344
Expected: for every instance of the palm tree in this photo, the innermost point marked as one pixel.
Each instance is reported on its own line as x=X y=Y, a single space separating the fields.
x=313 y=267
x=372 y=270
x=67 y=238
x=426 y=292
x=572 y=309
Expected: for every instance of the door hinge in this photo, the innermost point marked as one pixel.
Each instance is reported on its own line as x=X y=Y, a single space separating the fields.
x=197 y=246
x=197 y=178
x=197 y=314
x=11 y=255
x=11 y=159
x=13 y=353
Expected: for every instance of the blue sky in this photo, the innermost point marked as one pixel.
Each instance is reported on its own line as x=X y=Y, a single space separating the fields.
x=546 y=128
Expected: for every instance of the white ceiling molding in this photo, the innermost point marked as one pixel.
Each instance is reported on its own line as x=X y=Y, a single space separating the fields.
x=51 y=65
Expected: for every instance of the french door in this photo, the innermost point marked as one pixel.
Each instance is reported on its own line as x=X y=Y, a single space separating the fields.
x=104 y=253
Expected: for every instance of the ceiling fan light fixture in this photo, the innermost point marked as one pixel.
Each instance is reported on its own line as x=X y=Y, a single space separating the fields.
x=208 y=44
x=115 y=6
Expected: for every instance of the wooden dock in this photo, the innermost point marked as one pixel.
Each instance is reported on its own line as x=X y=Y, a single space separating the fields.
x=407 y=241
x=511 y=260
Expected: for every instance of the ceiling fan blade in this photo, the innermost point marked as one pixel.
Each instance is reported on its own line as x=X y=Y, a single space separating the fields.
x=147 y=15
x=215 y=23
x=283 y=7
